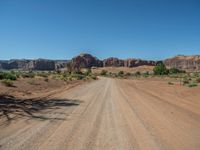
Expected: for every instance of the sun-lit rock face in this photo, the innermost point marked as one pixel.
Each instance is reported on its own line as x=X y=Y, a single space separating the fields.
x=184 y=62
x=86 y=61
x=113 y=62
x=131 y=62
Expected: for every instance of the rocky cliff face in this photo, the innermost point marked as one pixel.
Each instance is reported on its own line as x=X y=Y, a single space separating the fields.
x=85 y=61
x=113 y=62
x=39 y=64
x=184 y=62
x=138 y=62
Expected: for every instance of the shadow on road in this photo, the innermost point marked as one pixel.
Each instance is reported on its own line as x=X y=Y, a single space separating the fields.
x=10 y=107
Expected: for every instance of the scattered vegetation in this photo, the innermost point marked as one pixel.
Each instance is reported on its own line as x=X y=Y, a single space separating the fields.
x=8 y=76
x=175 y=71
x=160 y=70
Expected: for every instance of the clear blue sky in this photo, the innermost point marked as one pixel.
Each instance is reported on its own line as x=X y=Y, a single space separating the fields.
x=61 y=29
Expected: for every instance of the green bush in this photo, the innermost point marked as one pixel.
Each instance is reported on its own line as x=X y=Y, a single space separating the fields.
x=8 y=82
x=192 y=84
x=8 y=76
x=198 y=80
x=186 y=81
x=160 y=69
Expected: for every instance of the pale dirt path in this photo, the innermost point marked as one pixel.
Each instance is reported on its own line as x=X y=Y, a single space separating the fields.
x=112 y=115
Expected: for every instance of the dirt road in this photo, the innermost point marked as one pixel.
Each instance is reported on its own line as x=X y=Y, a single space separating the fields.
x=111 y=114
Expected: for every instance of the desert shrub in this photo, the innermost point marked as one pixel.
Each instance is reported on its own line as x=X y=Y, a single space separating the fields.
x=28 y=75
x=93 y=77
x=78 y=76
x=193 y=84
x=175 y=71
x=11 y=76
x=146 y=74
x=8 y=82
x=121 y=73
x=196 y=74
x=46 y=79
x=174 y=76
x=137 y=73
x=42 y=74
x=186 y=80
x=198 y=80
x=58 y=71
x=8 y=76
x=160 y=69
x=87 y=72
x=65 y=75
x=103 y=72
x=32 y=82
x=2 y=75
x=128 y=74
x=170 y=83
x=18 y=74
x=69 y=78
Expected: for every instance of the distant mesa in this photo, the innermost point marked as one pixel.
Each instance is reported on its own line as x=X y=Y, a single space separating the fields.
x=85 y=60
x=37 y=64
x=184 y=62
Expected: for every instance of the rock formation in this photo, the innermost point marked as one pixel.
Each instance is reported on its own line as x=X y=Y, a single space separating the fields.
x=85 y=61
x=138 y=62
x=113 y=62
x=38 y=64
x=184 y=62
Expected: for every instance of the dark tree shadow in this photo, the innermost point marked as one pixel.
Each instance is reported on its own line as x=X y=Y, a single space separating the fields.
x=11 y=107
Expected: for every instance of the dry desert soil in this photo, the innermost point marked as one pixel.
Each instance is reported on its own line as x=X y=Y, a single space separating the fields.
x=106 y=114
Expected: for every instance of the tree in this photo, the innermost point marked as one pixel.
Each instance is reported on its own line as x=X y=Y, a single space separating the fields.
x=160 y=69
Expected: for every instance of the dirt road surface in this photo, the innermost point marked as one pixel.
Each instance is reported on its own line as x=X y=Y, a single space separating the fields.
x=111 y=114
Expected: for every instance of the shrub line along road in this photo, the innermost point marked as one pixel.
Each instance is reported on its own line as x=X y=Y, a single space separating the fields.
x=112 y=114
